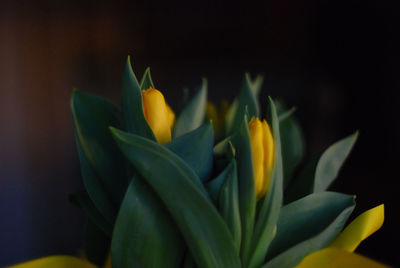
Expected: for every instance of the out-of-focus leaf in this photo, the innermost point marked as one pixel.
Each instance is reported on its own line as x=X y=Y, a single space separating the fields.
x=359 y=229
x=214 y=186
x=269 y=211
x=338 y=258
x=83 y=200
x=196 y=149
x=101 y=162
x=59 y=261
x=193 y=114
x=146 y=81
x=295 y=254
x=134 y=120
x=206 y=234
x=97 y=244
x=247 y=100
x=229 y=203
x=144 y=233
x=292 y=142
x=306 y=217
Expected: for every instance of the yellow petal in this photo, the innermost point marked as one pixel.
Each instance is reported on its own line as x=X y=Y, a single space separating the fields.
x=157 y=115
x=257 y=148
x=337 y=258
x=359 y=229
x=171 y=117
x=55 y=261
x=269 y=156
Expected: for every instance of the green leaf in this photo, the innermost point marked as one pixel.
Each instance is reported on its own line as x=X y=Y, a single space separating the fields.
x=83 y=200
x=193 y=114
x=144 y=233
x=256 y=84
x=214 y=186
x=331 y=161
x=269 y=211
x=306 y=217
x=229 y=203
x=292 y=142
x=206 y=234
x=247 y=98
x=292 y=256
x=247 y=193
x=322 y=170
x=196 y=149
x=132 y=105
x=97 y=244
x=102 y=164
x=146 y=81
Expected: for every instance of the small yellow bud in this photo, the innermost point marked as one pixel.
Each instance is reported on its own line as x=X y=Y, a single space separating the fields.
x=158 y=114
x=262 y=146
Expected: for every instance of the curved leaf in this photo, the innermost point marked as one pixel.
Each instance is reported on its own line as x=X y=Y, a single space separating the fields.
x=193 y=114
x=270 y=208
x=196 y=149
x=338 y=258
x=306 y=218
x=146 y=81
x=295 y=254
x=331 y=161
x=214 y=186
x=99 y=156
x=144 y=233
x=359 y=229
x=206 y=234
x=97 y=244
x=132 y=105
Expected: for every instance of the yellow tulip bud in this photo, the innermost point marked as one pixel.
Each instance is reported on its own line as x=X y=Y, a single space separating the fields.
x=262 y=146
x=158 y=114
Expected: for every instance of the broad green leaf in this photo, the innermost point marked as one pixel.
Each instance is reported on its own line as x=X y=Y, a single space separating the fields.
x=331 y=161
x=247 y=98
x=295 y=254
x=338 y=258
x=196 y=149
x=59 y=261
x=256 y=85
x=306 y=217
x=269 y=211
x=205 y=232
x=83 y=200
x=97 y=244
x=193 y=114
x=359 y=229
x=247 y=192
x=321 y=170
x=98 y=156
x=144 y=233
x=229 y=203
x=292 y=142
x=132 y=105
x=146 y=81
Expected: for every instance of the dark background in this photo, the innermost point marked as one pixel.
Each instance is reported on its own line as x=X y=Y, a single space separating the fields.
x=336 y=61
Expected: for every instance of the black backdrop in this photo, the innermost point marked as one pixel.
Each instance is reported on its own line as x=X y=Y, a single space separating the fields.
x=336 y=61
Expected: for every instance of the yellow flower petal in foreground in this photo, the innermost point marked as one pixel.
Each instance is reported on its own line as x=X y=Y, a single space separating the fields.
x=262 y=146
x=56 y=261
x=158 y=114
x=337 y=258
x=359 y=229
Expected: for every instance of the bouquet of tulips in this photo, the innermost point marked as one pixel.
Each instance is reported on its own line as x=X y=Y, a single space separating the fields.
x=208 y=187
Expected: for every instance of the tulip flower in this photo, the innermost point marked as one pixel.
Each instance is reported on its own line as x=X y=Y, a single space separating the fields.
x=262 y=146
x=158 y=114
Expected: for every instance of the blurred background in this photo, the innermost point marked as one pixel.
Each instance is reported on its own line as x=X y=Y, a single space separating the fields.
x=336 y=61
